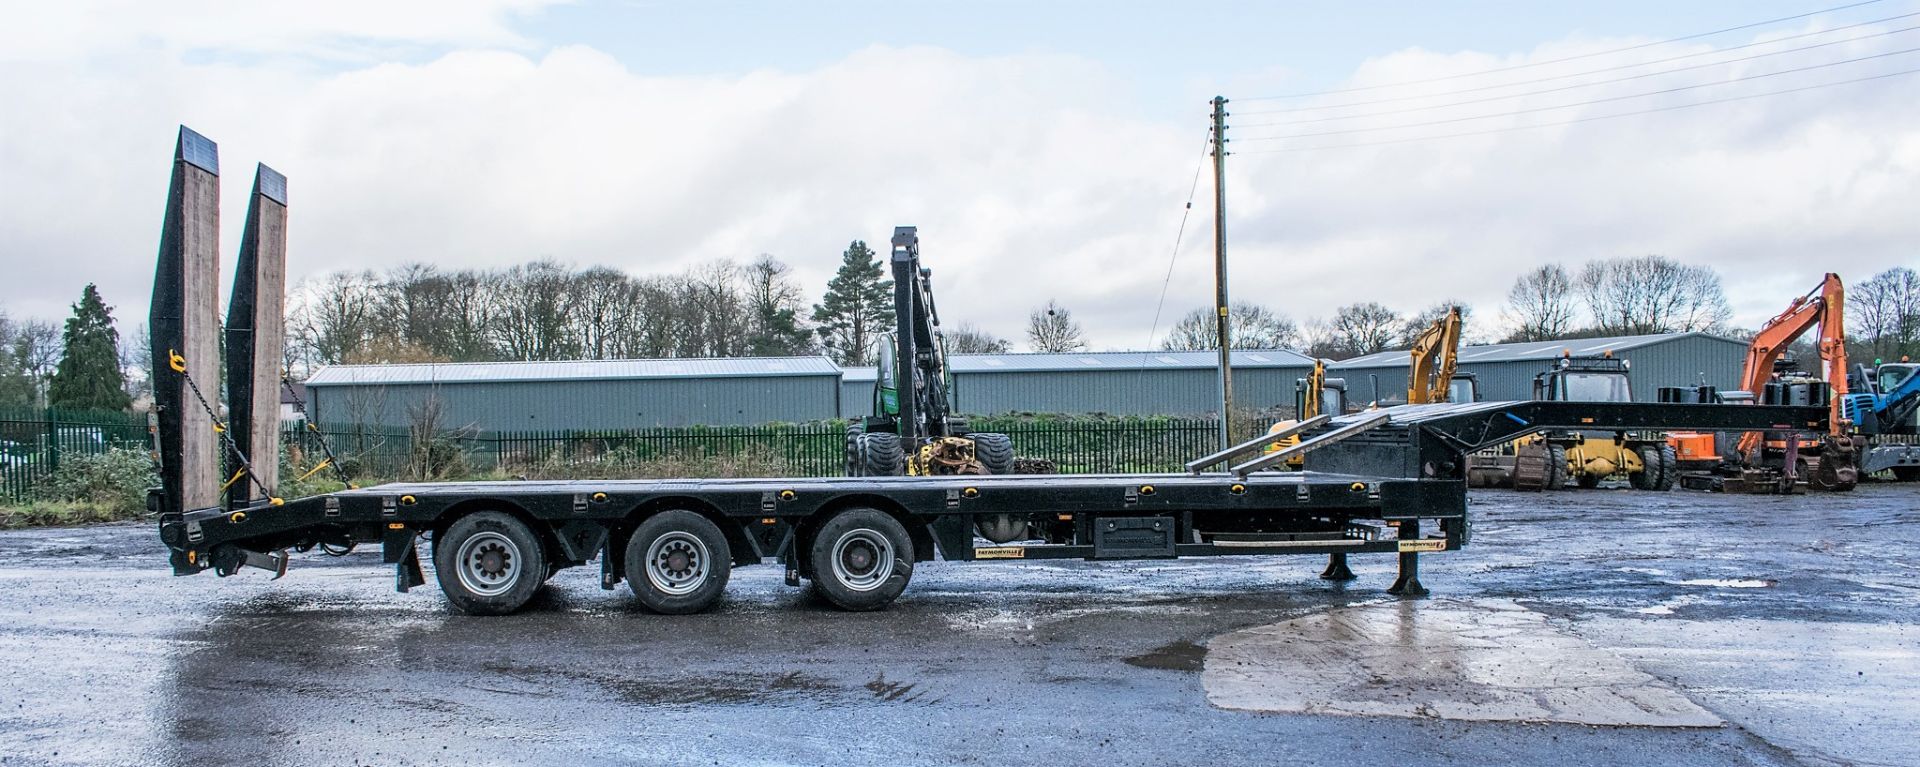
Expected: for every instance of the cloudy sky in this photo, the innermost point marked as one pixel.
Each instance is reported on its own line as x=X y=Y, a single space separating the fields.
x=1044 y=150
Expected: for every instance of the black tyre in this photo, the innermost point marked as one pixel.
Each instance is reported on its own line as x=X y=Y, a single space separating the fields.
x=1587 y=481
x=1669 y=468
x=1650 y=473
x=1906 y=473
x=1556 y=467
x=862 y=559
x=994 y=450
x=488 y=563
x=880 y=455
x=678 y=563
x=853 y=448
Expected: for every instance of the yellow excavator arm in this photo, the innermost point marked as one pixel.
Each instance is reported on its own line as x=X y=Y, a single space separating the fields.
x=1432 y=359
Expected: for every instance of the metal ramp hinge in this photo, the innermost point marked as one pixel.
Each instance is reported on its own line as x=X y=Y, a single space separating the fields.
x=389 y=505
x=579 y=503
x=333 y=506
x=953 y=498
x=1131 y=496
x=767 y=502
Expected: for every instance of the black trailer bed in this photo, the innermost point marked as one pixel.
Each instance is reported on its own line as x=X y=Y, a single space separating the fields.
x=1389 y=481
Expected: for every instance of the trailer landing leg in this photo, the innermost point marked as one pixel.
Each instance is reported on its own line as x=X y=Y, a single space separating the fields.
x=1337 y=569
x=1408 y=583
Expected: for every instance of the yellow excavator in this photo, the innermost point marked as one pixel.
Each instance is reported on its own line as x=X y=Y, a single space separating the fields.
x=1431 y=378
x=1431 y=361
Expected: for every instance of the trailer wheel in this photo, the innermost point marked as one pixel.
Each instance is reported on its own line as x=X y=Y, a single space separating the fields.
x=1669 y=468
x=994 y=451
x=678 y=563
x=1906 y=473
x=1556 y=467
x=862 y=559
x=881 y=455
x=488 y=563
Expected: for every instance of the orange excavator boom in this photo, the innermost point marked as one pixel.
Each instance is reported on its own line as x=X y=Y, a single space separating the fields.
x=1824 y=307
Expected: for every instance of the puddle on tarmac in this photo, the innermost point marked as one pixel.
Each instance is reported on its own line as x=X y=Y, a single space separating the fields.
x=1173 y=656
x=1482 y=660
x=1725 y=583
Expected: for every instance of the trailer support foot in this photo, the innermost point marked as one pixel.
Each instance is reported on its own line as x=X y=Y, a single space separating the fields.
x=1408 y=584
x=1337 y=569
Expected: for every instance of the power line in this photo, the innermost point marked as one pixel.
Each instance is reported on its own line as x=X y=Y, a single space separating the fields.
x=1563 y=59
x=1608 y=99
x=1591 y=118
x=1604 y=70
x=1577 y=85
x=1179 y=235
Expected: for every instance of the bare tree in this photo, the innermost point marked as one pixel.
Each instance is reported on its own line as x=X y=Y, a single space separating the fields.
x=1884 y=313
x=1317 y=339
x=533 y=320
x=773 y=310
x=1364 y=328
x=968 y=339
x=1541 y=304
x=1652 y=294
x=1249 y=327
x=1420 y=321
x=603 y=311
x=1052 y=328
x=338 y=315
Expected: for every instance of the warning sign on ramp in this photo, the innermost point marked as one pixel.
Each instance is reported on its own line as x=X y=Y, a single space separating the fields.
x=1482 y=660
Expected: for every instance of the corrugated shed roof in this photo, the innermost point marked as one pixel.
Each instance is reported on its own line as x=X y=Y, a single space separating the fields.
x=1536 y=350
x=1041 y=361
x=860 y=374
x=571 y=370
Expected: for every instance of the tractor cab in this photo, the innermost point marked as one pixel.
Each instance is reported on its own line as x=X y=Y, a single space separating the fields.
x=1584 y=379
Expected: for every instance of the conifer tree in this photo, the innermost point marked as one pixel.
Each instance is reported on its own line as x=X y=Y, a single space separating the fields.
x=856 y=308
x=88 y=377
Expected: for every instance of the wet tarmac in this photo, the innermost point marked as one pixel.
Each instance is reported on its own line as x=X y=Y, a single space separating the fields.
x=1795 y=620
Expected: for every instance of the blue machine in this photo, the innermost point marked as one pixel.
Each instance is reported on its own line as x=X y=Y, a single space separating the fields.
x=1882 y=403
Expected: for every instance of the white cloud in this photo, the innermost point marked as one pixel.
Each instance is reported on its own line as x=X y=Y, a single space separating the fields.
x=1031 y=176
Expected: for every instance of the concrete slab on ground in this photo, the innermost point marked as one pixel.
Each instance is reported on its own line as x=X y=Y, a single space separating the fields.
x=1479 y=660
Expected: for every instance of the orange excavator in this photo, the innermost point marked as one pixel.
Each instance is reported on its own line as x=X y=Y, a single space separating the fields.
x=1828 y=463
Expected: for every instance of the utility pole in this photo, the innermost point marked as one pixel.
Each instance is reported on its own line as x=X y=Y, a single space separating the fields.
x=1220 y=269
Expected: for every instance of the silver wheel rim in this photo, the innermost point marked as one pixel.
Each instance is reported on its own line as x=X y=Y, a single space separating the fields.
x=863 y=559
x=677 y=563
x=489 y=564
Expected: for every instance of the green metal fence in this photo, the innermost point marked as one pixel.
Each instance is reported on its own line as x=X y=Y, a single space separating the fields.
x=32 y=441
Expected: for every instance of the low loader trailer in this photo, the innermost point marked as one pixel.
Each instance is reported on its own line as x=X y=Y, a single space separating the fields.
x=1379 y=482
x=1387 y=481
